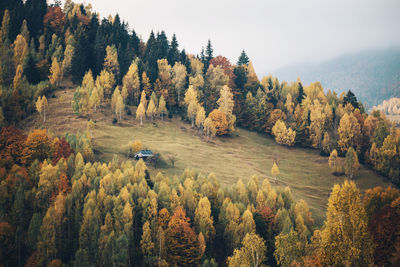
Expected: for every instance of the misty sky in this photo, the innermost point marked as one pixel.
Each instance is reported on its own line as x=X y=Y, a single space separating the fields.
x=274 y=33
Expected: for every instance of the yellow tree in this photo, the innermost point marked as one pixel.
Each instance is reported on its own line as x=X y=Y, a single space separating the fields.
x=252 y=253
x=140 y=112
x=68 y=53
x=179 y=74
x=192 y=111
x=209 y=128
x=317 y=123
x=190 y=95
x=111 y=61
x=137 y=146
x=146 y=243
x=18 y=78
x=94 y=100
x=20 y=50
x=345 y=240
x=289 y=104
x=226 y=104
x=151 y=109
x=204 y=221
x=200 y=117
x=55 y=72
x=351 y=164
x=105 y=82
x=131 y=81
x=146 y=86
x=335 y=163
x=41 y=105
x=348 y=131
x=162 y=109
x=275 y=171
x=119 y=106
x=143 y=99
x=283 y=135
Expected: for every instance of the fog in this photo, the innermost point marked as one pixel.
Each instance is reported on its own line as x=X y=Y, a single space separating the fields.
x=274 y=33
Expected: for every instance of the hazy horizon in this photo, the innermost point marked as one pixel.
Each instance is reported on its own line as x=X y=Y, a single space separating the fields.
x=274 y=34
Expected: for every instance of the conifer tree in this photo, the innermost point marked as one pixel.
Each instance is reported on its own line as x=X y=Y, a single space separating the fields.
x=243 y=59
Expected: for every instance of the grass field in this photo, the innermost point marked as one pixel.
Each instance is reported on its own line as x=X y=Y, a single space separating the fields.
x=230 y=158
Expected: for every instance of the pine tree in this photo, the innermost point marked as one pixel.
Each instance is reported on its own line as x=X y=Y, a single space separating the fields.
x=173 y=52
x=243 y=59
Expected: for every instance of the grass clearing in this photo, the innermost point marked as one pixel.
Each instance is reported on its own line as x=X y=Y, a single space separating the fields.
x=229 y=158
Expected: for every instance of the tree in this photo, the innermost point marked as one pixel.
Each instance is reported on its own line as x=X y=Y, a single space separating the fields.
x=111 y=64
x=68 y=54
x=41 y=105
x=351 y=164
x=226 y=104
x=131 y=81
x=151 y=109
x=288 y=248
x=219 y=121
x=251 y=254
x=18 y=78
x=55 y=73
x=183 y=244
x=192 y=111
x=348 y=131
x=105 y=83
x=283 y=135
x=200 y=117
x=20 y=50
x=146 y=242
x=345 y=240
x=209 y=128
x=275 y=170
x=204 y=221
x=117 y=103
x=146 y=86
x=162 y=107
x=140 y=112
x=243 y=59
x=179 y=75
x=335 y=163
x=137 y=146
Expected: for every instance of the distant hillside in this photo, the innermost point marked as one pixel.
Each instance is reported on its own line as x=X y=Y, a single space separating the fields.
x=373 y=76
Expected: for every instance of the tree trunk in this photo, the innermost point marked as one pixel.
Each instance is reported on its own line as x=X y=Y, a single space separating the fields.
x=141 y=120
x=44 y=113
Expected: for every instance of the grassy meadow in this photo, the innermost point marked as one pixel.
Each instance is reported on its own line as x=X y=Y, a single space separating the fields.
x=229 y=158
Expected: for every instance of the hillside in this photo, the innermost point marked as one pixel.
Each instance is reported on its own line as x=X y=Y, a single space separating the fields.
x=244 y=154
x=372 y=75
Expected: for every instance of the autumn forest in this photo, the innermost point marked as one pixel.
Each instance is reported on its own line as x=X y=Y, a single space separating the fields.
x=62 y=205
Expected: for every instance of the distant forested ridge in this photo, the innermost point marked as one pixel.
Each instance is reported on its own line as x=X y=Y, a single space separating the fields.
x=372 y=75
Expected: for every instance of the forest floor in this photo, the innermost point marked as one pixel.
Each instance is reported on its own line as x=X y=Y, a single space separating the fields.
x=241 y=155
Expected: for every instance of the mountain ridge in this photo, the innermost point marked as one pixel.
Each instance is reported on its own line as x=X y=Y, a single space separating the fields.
x=373 y=75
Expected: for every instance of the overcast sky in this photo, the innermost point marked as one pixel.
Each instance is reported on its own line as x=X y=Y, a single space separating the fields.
x=274 y=33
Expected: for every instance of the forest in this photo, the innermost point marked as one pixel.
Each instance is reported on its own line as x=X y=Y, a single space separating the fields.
x=61 y=206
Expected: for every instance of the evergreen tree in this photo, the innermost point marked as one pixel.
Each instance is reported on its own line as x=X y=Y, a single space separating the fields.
x=173 y=52
x=243 y=59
